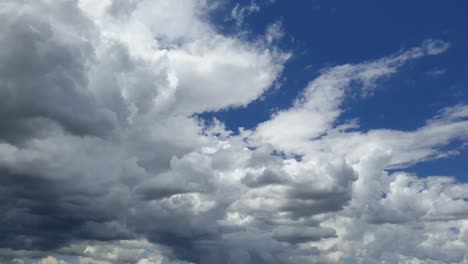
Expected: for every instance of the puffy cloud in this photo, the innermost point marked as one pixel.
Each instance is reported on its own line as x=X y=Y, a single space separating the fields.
x=50 y=260
x=400 y=216
x=103 y=161
x=42 y=63
x=184 y=66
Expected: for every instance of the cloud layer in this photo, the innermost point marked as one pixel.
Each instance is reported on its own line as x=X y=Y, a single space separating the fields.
x=103 y=160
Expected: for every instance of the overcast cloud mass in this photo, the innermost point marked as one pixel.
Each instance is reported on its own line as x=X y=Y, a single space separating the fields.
x=104 y=159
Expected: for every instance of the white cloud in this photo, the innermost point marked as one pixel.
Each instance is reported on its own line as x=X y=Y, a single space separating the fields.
x=436 y=72
x=435 y=47
x=102 y=158
x=50 y=260
x=240 y=12
x=274 y=32
x=184 y=66
x=407 y=147
x=316 y=110
x=197 y=63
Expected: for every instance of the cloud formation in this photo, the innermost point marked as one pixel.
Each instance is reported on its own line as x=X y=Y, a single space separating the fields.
x=103 y=160
x=240 y=12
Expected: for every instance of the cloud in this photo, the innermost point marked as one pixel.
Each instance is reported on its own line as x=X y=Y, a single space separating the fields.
x=435 y=47
x=103 y=160
x=50 y=260
x=386 y=208
x=317 y=108
x=43 y=63
x=436 y=72
x=240 y=12
x=293 y=235
x=409 y=147
x=274 y=32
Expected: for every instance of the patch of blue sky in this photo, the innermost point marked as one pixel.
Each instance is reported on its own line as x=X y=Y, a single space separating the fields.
x=322 y=34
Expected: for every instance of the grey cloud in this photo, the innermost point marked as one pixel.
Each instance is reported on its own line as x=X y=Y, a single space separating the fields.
x=308 y=207
x=45 y=214
x=192 y=173
x=267 y=177
x=44 y=75
x=99 y=145
x=294 y=234
x=123 y=7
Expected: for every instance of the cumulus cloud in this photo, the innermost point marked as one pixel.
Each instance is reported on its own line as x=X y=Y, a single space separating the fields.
x=103 y=160
x=50 y=260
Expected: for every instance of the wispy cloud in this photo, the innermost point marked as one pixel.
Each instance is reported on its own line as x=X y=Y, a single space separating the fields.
x=436 y=72
x=240 y=12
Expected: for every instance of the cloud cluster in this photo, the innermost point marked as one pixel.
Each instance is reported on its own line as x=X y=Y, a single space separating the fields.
x=103 y=160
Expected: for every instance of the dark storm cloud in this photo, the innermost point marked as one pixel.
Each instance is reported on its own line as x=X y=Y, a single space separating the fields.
x=47 y=52
x=39 y=213
x=43 y=76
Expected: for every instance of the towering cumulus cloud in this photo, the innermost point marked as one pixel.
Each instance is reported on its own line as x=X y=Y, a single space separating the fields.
x=104 y=160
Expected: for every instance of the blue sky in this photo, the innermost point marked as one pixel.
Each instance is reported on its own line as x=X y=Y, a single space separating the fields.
x=322 y=34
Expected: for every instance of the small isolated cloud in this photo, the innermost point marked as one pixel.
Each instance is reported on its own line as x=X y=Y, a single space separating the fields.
x=436 y=72
x=274 y=32
x=240 y=12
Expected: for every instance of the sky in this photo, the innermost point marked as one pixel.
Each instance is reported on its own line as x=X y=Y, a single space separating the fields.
x=215 y=131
